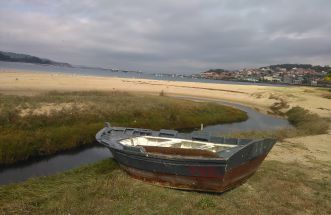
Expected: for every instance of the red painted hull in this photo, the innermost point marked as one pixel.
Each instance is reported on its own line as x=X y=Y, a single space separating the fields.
x=207 y=183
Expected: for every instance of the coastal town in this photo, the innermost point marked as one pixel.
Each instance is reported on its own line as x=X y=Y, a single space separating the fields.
x=296 y=74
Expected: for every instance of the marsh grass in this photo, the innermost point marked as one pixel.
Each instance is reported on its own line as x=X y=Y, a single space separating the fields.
x=304 y=122
x=103 y=188
x=307 y=123
x=79 y=115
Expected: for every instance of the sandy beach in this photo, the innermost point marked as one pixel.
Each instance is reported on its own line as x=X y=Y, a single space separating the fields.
x=259 y=97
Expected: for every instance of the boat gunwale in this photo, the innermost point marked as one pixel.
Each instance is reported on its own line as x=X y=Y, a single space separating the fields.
x=143 y=153
x=218 y=160
x=163 y=156
x=226 y=145
x=177 y=159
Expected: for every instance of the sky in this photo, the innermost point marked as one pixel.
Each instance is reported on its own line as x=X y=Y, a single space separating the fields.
x=170 y=36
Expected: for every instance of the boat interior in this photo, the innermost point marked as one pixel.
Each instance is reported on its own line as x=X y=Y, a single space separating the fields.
x=151 y=141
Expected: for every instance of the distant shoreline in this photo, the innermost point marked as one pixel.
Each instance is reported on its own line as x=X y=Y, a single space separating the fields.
x=101 y=72
x=117 y=73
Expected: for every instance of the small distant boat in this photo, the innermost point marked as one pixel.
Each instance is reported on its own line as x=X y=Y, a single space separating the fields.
x=194 y=161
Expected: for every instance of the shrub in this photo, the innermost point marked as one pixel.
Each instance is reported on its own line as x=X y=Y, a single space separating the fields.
x=306 y=122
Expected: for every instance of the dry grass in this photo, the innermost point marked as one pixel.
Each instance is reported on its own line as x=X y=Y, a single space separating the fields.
x=325 y=92
x=103 y=188
x=327 y=96
x=278 y=106
x=307 y=123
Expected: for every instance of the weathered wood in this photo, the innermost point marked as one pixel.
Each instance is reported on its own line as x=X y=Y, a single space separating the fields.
x=186 y=168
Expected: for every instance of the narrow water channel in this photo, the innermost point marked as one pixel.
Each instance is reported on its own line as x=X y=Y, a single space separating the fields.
x=77 y=157
x=50 y=165
x=256 y=120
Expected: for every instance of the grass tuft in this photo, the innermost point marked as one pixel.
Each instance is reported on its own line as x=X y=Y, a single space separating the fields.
x=306 y=122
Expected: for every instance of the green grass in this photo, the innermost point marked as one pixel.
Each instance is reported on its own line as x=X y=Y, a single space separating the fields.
x=103 y=188
x=79 y=115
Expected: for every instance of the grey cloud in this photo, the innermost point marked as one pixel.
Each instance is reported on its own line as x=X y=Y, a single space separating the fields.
x=169 y=36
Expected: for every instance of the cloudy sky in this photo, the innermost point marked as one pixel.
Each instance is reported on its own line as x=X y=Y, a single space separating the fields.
x=172 y=36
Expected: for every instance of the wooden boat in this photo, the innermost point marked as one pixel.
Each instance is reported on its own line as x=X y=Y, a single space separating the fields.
x=194 y=161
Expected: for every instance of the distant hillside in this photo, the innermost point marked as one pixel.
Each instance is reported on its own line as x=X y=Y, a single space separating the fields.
x=287 y=66
x=216 y=71
x=24 y=58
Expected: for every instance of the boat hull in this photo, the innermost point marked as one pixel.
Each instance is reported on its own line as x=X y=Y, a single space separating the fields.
x=211 y=176
x=188 y=169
